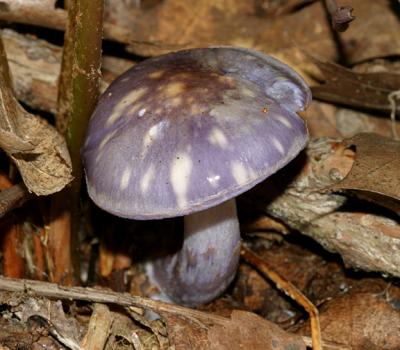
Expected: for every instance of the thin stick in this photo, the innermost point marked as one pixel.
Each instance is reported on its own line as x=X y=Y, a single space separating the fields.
x=78 y=93
x=13 y=197
x=290 y=290
x=54 y=291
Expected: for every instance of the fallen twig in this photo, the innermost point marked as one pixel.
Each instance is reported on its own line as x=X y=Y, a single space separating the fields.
x=13 y=197
x=54 y=291
x=290 y=290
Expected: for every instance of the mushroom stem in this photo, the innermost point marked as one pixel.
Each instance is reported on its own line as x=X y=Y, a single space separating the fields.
x=207 y=262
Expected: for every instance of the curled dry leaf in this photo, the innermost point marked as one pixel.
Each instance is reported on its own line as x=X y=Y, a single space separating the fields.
x=46 y=168
x=246 y=330
x=37 y=149
x=376 y=167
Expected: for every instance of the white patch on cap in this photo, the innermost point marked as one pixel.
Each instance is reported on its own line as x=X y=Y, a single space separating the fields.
x=126 y=176
x=239 y=172
x=128 y=99
x=146 y=179
x=285 y=121
x=98 y=157
x=116 y=112
x=175 y=102
x=218 y=138
x=106 y=138
x=152 y=135
x=278 y=145
x=142 y=112
x=147 y=142
x=156 y=74
x=173 y=89
x=249 y=57
x=213 y=180
x=180 y=174
x=247 y=92
x=87 y=140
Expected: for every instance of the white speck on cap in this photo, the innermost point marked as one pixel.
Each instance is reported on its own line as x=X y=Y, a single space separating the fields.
x=128 y=100
x=213 y=180
x=107 y=138
x=147 y=177
x=126 y=176
x=283 y=120
x=142 y=112
x=239 y=172
x=152 y=134
x=278 y=145
x=218 y=138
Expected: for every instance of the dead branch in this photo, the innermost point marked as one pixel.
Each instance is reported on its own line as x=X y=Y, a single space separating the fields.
x=35 y=65
x=54 y=291
x=43 y=13
x=365 y=239
x=13 y=197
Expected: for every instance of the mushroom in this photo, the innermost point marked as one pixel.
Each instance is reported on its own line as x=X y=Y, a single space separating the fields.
x=183 y=134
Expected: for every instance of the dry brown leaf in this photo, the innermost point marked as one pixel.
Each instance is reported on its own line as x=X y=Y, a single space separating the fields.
x=37 y=149
x=186 y=333
x=362 y=90
x=361 y=321
x=26 y=308
x=374 y=33
x=249 y=331
x=244 y=330
x=376 y=167
x=177 y=24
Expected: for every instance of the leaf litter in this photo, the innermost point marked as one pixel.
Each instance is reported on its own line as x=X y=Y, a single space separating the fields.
x=357 y=312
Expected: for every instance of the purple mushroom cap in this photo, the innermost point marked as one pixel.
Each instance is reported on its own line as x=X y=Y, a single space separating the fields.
x=183 y=132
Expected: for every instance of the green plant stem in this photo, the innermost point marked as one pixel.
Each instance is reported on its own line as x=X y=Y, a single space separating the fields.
x=78 y=92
